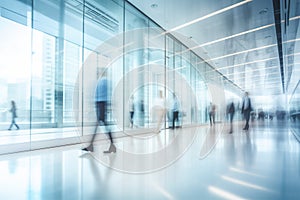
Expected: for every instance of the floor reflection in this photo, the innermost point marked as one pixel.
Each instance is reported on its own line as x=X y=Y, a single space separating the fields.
x=262 y=163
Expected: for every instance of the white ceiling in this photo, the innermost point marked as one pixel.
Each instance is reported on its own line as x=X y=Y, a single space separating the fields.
x=238 y=36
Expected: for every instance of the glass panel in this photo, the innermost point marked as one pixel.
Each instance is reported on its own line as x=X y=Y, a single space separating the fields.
x=170 y=82
x=56 y=60
x=294 y=111
x=136 y=94
x=15 y=76
x=103 y=43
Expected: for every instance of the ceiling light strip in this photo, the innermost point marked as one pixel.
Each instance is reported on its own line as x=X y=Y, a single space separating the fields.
x=257 y=61
x=235 y=35
x=251 y=76
x=241 y=64
x=239 y=34
x=207 y=16
x=259 y=79
x=246 y=51
x=254 y=71
x=242 y=33
x=249 y=50
x=248 y=63
x=294 y=18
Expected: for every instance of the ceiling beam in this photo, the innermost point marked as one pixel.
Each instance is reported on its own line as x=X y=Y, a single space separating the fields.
x=277 y=17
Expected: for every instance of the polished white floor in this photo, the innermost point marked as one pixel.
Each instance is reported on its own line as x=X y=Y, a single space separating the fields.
x=190 y=163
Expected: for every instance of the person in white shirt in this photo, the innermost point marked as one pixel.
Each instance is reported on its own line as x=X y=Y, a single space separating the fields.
x=159 y=110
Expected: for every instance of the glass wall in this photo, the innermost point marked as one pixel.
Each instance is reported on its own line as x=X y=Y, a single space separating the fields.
x=53 y=54
x=291 y=59
x=15 y=77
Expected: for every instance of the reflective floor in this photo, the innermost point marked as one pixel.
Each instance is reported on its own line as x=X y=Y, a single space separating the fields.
x=190 y=163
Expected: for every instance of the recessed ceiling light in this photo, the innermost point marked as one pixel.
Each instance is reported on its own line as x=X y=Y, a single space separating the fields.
x=263 y=11
x=154 y=5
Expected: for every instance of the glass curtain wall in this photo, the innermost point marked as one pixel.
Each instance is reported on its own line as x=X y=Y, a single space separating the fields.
x=63 y=47
x=56 y=59
x=15 y=77
x=291 y=59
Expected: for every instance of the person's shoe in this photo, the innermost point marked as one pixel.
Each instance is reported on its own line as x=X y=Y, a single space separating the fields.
x=9 y=129
x=89 y=148
x=230 y=132
x=157 y=131
x=112 y=149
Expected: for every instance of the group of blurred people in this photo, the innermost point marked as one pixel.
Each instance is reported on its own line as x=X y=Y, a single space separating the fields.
x=159 y=110
x=231 y=109
x=245 y=111
x=102 y=101
x=102 y=98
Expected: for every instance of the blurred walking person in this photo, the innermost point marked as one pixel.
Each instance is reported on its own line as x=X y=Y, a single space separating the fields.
x=212 y=114
x=231 y=111
x=160 y=110
x=131 y=111
x=246 y=109
x=13 y=111
x=175 y=110
x=102 y=101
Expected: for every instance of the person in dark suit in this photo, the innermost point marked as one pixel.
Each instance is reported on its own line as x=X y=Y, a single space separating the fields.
x=212 y=114
x=175 y=110
x=13 y=111
x=102 y=97
x=231 y=111
x=246 y=109
x=131 y=111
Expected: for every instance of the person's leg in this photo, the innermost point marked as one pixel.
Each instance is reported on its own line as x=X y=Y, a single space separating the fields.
x=210 y=119
x=161 y=113
x=247 y=120
x=17 y=125
x=131 y=119
x=175 y=118
x=12 y=123
x=112 y=147
x=98 y=113
x=10 y=126
x=247 y=117
x=91 y=145
x=231 y=118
